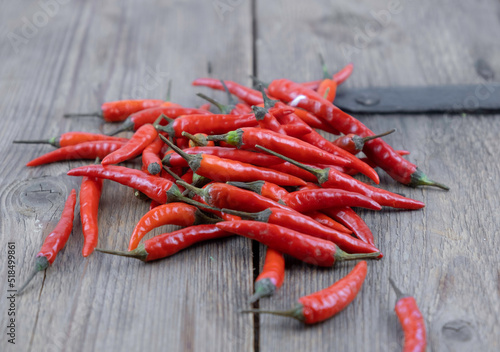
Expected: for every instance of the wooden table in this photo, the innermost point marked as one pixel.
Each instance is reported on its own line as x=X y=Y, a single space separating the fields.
x=72 y=56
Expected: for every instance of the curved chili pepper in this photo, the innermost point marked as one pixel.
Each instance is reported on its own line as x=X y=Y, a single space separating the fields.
x=304 y=224
x=248 y=95
x=338 y=77
x=327 y=221
x=248 y=138
x=296 y=131
x=74 y=138
x=376 y=150
x=316 y=199
x=332 y=178
x=219 y=169
x=116 y=111
x=353 y=221
x=56 y=240
x=151 y=156
x=86 y=150
x=314 y=122
x=264 y=188
x=179 y=214
x=254 y=158
x=354 y=144
x=168 y=244
x=307 y=248
x=271 y=277
x=135 y=121
x=412 y=321
x=324 y=304
x=153 y=186
x=143 y=137
x=90 y=193
x=367 y=161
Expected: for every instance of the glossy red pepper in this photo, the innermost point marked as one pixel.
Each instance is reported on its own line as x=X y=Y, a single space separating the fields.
x=339 y=77
x=56 y=240
x=412 y=322
x=327 y=221
x=271 y=277
x=151 y=160
x=314 y=121
x=86 y=150
x=143 y=137
x=354 y=144
x=309 y=249
x=90 y=193
x=153 y=186
x=266 y=189
x=324 y=304
x=74 y=138
x=353 y=221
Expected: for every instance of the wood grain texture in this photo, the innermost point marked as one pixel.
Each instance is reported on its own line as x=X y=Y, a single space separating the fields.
x=446 y=255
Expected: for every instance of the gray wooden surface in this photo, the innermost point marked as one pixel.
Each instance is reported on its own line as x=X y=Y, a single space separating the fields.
x=77 y=54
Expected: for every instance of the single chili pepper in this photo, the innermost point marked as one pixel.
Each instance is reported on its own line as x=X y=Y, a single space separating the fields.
x=143 y=137
x=56 y=240
x=271 y=277
x=248 y=138
x=74 y=138
x=264 y=188
x=151 y=157
x=354 y=143
x=219 y=169
x=301 y=223
x=304 y=247
x=327 y=221
x=168 y=244
x=377 y=150
x=353 y=221
x=314 y=121
x=296 y=131
x=315 y=139
x=332 y=178
x=179 y=214
x=324 y=304
x=248 y=95
x=86 y=150
x=222 y=195
x=291 y=169
x=90 y=193
x=116 y=111
x=140 y=118
x=338 y=77
x=153 y=186
x=412 y=321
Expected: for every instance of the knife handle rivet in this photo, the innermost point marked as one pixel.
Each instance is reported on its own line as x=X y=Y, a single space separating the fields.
x=368 y=99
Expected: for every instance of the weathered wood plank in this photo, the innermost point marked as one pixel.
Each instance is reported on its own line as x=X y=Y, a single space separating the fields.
x=446 y=254
x=87 y=53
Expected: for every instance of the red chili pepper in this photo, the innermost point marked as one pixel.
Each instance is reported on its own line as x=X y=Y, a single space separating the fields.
x=353 y=221
x=327 y=221
x=315 y=122
x=354 y=144
x=248 y=95
x=377 y=150
x=264 y=188
x=324 y=304
x=332 y=178
x=338 y=77
x=86 y=150
x=151 y=157
x=309 y=249
x=271 y=277
x=179 y=214
x=153 y=204
x=304 y=224
x=291 y=169
x=153 y=186
x=219 y=169
x=328 y=89
x=90 y=193
x=135 y=121
x=367 y=161
x=116 y=111
x=168 y=244
x=248 y=138
x=296 y=131
x=56 y=240
x=74 y=138
x=254 y=158
x=412 y=322
x=143 y=137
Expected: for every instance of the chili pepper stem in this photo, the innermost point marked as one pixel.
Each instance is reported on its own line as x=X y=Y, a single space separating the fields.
x=396 y=289
x=233 y=137
x=199 y=141
x=224 y=109
x=324 y=68
x=230 y=99
x=51 y=141
x=261 y=216
x=418 y=178
x=315 y=171
x=263 y=288
x=41 y=263
x=127 y=125
x=193 y=160
x=88 y=114
x=295 y=312
x=257 y=81
x=340 y=255
x=138 y=253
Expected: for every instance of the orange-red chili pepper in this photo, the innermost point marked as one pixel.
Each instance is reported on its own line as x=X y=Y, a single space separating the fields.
x=324 y=304
x=219 y=169
x=338 y=77
x=74 y=138
x=354 y=144
x=412 y=321
x=86 y=150
x=314 y=121
x=116 y=111
x=153 y=186
x=327 y=221
x=304 y=247
x=143 y=137
x=353 y=221
x=56 y=240
x=264 y=188
x=168 y=244
x=151 y=160
x=90 y=193
x=271 y=277
x=179 y=214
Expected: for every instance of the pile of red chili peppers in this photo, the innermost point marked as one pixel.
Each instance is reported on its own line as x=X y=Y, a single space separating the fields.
x=258 y=168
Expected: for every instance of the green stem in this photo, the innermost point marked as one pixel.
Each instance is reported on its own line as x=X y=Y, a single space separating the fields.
x=399 y=294
x=41 y=263
x=224 y=109
x=268 y=102
x=340 y=255
x=326 y=75
x=200 y=140
x=52 y=141
x=189 y=158
x=88 y=114
x=230 y=98
x=263 y=288
x=138 y=253
x=296 y=312
x=127 y=125
x=257 y=81
x=418 y=178
x=169 y=90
